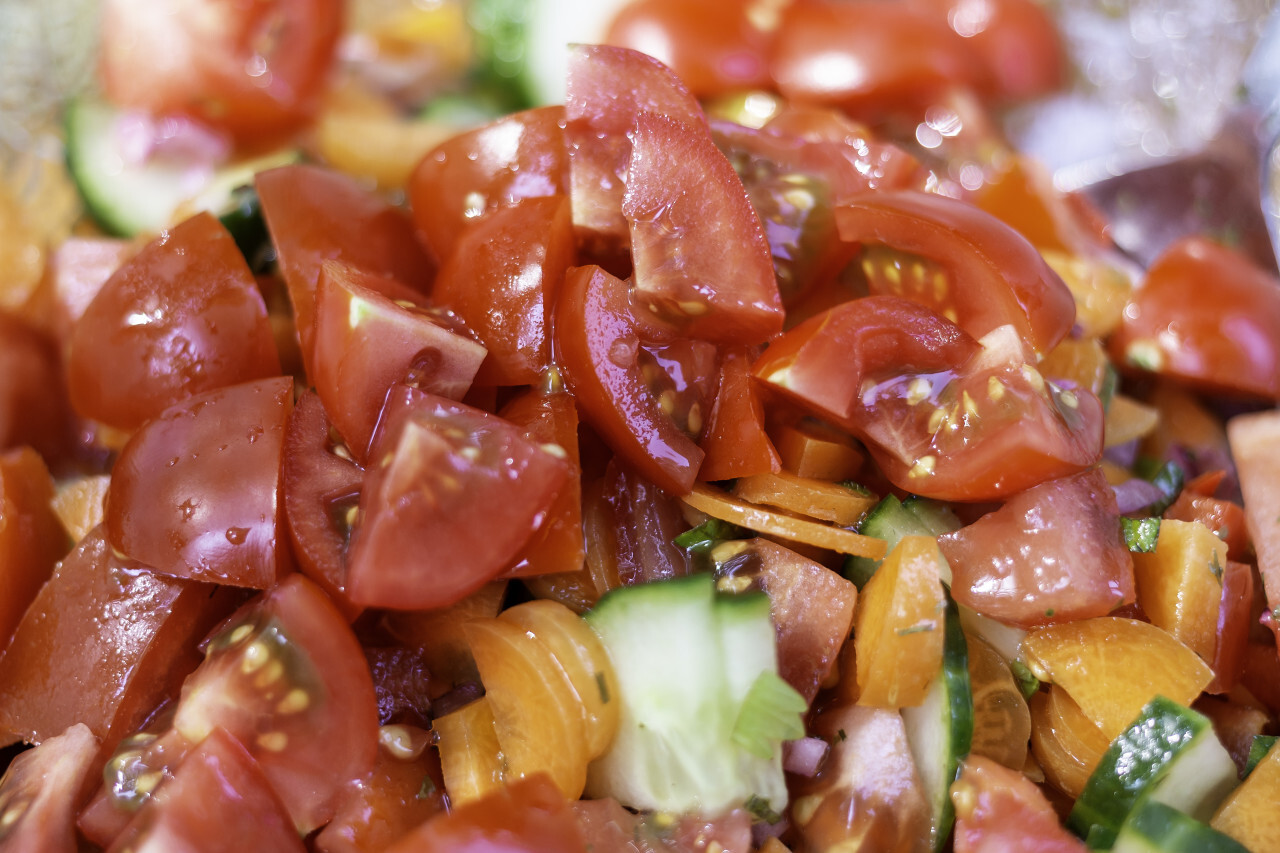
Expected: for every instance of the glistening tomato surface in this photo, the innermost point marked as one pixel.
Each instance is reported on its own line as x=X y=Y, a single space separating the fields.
x=256 y=68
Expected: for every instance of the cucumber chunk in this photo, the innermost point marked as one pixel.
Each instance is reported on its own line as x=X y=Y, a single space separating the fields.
x=703 y=711
x=940 y=731
x=1169 y=755
x=1157 y=828
x=892 y=519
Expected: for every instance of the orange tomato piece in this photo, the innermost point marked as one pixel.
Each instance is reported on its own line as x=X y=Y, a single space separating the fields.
x=805 y=496
x=470 y=761
x=437 y=634
x=1066 y=743
x=1180 y=583
x=1001 y=719
x=810 y=448
x=1249 y=814
x=898 y=626
x=1112 y=667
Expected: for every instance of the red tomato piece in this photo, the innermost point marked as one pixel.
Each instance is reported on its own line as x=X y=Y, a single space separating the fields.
x=255 y=68
x=880 y=164
x=519 y=156
x=183 y=317
x=557 y=545
x=77 y=270
x=714 y=47
x=630 y=527
x=822 y=363
x=526 y=816
x=41 y=790
x=502 y=279
x=960 y=261
x=321 y=486
x=366 y=343
x=316 y=214
x=870 y=59
x=702 y=261
x=216 y=800
x=735 y=441
x=459 y=478
x=33 y=401
x=595 y=335
x=1053 y=553
x=120 y=637
x=606 y=825
x=31 y=536
x=1206 y=315
x=196 y=492
x=1225 y=518
x=606 y=89
x=998 y=809
x=1016 y=40
x=1233 y=626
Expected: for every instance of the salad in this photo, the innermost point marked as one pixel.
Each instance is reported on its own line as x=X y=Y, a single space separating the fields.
x=434 y=429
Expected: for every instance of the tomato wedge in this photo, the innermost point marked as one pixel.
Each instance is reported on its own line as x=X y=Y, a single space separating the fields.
x=33 y=400
x=999 y=809
x=40 y=791
x=31 y=536
x=596 y=339
x=196 y=492
x=960 y=261
x=182 y=317
x=702 y=261
x=465 y=481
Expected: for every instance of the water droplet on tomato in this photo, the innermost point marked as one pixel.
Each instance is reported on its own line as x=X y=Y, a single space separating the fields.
x=188 y=508
x=237 y=535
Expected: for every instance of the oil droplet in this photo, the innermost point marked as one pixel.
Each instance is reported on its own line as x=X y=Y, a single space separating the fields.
x=237 y=535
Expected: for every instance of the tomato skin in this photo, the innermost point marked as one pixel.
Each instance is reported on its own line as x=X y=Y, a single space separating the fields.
x=252 y=67
x=1207 y=316
x=217 y=800
x=34 y=409
x=1051 y=554
x=44 y=786
x=196 y=492
x=998 y=809
x=714 y=47
x=596 y=339
x=31 y=537
x=869 y=59
x=992 y=275
x=319 y=486
x=466 y=481
x=502 y=280
x=735 y=441
x=526 y=816
x=1233 y=626
x=519 y=156
x=366 y=343
x=316 y=214
x=123 y=636
x=702 y=261
x=182 y=317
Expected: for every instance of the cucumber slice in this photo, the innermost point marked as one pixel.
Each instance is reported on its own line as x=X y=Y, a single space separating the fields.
x=940 y=731
x=1157 y=828
x=127 y=198
x=892 y=519
x=1169 y=755
x=703 y=712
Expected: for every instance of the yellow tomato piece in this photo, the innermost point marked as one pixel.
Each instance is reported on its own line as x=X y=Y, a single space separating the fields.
x=1112 y=667
x=1184 y=421
x=1249 y=814
x=1066 y=743
x=1001 y=719
x=469 y=758
x=579 y=652
x=1180 y=583
x=806 y=496
x=539 y=719
x=1081 y=360
x=437 y=634
x=1128 y=420
x=78 y=503
x=1101 y=290
x=897 y=632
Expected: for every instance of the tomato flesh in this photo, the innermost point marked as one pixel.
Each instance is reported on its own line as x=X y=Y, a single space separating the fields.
x=41 y=790
x=999 y=809
x=31 y=537
x=466 y=481
x=34 y=409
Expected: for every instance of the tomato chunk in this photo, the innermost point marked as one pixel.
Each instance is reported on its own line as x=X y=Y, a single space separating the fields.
x=34 y=409
x=1051 y=554
x=702 y=262
x=183 y=317
x=735 y=441
x=596 y=337
x=999 y=809
x=40 y=791
x=31 y=536
x=196 y=492
x=459 y=478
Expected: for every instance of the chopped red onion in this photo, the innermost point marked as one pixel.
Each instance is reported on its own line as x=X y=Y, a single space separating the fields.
x=805 y=756
x=1136 y=493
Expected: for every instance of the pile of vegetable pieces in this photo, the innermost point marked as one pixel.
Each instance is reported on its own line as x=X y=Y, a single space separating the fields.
x=751 y=453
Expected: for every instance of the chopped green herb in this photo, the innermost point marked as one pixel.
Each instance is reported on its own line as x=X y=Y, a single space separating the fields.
x=840 y=735
x=1027 y=681
x=427 y=789
x=771 y=712
x=857 y=488
x=711 y=530
x=603 y=687
x=761 y=810
x=1216 y=567
x=1168 y=477
x=1140 y=534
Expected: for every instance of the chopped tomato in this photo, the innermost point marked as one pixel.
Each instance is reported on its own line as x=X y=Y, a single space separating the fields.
x=702 y=262
x=1052 y=553
x=998 y=809
x=31 y=536
x=960 y=261
x=606 y=825
x=368 y=338
x=41 y=790
x=502 y=280
x=217 y=800
x=526 y=816
x=461 y=479
x=1208 y=316
x=630 y=525
x=196 y=492
x=519 y=156
x=597 y=340
x=316 y=214
x=34 y=408
x=735 y=441
x=256 y=68
x=1233 y=626
x=182 y=317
